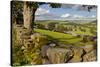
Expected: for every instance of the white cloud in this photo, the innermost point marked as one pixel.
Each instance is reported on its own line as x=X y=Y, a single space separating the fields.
x=65 y=15
x=93 y=16
x=77 y=16
x=71 y=16
x=41 y=11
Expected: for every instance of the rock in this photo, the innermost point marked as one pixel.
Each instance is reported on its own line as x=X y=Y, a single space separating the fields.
x=39 y=39
x=45 y=61
x=44 y=50
x=23 y=47
x=35 y=36
x=28 y=43
x=91 y=56
x=25 y=36
x=18 y=25
x=75 y=59
x=52 y=44
x=59 y=55
x=88 y=48
x=27 y=32
x=78 y=52
x=19 y=33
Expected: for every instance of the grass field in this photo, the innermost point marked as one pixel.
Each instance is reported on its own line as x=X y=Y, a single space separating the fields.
x=84 y=33
x=65 y=38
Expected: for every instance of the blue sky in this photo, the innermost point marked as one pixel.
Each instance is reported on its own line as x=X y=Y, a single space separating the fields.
x=44 y=12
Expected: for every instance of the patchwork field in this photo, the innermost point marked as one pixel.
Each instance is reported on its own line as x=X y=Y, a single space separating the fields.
x=66 y=38
x=66 y=32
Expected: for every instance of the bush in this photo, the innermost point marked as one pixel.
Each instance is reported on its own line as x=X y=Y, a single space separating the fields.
x=33 y=55
x=51 y=26
x=18 y=57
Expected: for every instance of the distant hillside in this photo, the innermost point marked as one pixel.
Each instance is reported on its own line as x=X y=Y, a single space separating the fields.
x=67 y=21
x=82 y=21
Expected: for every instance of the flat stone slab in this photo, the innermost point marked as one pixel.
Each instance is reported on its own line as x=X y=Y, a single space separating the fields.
x=58 y=55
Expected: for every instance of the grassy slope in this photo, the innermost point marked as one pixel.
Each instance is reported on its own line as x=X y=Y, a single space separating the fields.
x=78 y=31
x=81 y=32
x=84 y=33
x=65 y=38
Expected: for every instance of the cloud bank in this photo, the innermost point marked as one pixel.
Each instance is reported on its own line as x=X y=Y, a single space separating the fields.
x=65 y=12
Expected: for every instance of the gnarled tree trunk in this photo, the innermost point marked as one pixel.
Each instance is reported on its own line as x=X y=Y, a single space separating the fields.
x=29 y=16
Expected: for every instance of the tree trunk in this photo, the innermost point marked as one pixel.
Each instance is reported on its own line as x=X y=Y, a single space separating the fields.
x=28 y=16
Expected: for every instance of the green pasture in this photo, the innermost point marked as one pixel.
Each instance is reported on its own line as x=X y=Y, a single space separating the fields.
x=61 y=37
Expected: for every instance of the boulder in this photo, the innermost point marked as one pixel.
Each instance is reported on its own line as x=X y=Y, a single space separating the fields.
x=88 y=48
x=44 y=49
x=39 y=39
x=75 y=59
x=45 y=61
x=59 y=55
x=91 y=56
x=78 y=52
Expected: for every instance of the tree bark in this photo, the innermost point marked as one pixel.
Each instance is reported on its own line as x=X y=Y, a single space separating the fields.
x=28 y=16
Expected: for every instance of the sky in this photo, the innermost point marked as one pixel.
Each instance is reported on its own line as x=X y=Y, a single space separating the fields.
x=65 y=12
